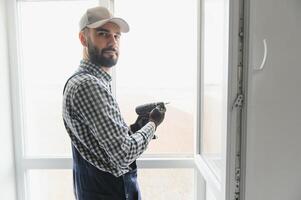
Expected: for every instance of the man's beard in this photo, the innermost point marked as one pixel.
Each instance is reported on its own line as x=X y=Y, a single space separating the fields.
x=96 y=56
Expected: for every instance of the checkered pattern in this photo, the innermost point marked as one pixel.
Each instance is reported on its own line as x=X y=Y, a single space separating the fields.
x=93 y=121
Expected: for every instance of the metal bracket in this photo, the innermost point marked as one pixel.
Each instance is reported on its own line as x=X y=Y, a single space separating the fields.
x=238 y=103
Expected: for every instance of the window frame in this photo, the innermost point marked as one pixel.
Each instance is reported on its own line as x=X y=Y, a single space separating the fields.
x=203 y=174
x=227 y=187
x=23 y=163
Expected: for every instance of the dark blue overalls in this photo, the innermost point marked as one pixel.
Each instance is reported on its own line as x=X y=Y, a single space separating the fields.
x=90 y=183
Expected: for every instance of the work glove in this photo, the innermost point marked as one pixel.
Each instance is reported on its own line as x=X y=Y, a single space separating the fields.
x=139 y=123
x=157 y=115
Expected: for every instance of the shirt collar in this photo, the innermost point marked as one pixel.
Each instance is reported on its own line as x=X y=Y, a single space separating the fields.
x=95 y=70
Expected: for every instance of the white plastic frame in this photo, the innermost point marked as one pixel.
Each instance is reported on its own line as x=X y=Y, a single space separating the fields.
x=224 y=189
x=204 y=174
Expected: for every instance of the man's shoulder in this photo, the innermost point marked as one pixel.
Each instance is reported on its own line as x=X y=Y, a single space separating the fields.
x=82 y=80
x=81 y=77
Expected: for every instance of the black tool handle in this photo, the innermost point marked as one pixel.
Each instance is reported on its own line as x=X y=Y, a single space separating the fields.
x=145 y=109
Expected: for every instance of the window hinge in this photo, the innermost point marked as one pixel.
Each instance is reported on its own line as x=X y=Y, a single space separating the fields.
x=238 y=103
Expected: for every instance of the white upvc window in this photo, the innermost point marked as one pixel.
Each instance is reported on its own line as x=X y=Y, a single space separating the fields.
x=176 y=51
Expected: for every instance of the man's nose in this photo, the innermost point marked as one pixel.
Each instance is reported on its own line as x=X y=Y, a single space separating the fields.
x=112 y=40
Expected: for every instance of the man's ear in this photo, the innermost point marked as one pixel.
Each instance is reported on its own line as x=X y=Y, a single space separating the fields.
x=83 y=39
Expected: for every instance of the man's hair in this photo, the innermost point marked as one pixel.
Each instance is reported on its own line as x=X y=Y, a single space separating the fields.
x=85 y=32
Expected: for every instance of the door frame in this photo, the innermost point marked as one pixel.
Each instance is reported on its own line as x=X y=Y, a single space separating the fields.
x=228 y=188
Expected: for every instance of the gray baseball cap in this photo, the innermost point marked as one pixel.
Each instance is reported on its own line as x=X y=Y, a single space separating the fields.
x=98 y=16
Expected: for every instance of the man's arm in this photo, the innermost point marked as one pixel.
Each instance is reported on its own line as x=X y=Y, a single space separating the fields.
x=99 y=111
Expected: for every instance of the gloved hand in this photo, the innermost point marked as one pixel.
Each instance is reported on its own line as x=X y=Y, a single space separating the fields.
x=139 y=123
x=157 y=115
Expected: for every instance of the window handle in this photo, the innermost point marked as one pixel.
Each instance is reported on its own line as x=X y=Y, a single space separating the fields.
x=260 y=68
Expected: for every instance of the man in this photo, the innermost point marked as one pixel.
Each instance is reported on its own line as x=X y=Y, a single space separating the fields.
x=104 y=147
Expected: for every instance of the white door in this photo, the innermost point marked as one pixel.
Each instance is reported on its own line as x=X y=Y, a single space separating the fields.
x=273 y=122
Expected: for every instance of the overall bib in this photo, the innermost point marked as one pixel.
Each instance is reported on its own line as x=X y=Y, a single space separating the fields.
x=91 y=183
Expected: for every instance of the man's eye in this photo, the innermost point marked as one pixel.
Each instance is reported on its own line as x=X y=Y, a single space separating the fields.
x=102 y=33
x=117 y=37
x=105 y=34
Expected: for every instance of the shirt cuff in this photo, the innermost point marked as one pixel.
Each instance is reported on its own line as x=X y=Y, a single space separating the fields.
x=148 y=130
x=153 y=124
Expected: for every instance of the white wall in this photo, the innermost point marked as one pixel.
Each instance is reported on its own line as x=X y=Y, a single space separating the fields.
x=273 y=151
x=7 y=170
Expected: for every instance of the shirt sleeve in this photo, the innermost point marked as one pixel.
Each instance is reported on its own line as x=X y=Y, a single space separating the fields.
x=98 y=109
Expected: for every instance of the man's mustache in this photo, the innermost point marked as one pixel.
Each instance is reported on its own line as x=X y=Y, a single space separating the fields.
x=109 y=49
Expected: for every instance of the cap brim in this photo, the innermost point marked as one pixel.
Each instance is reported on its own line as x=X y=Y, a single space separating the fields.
x=123 y=25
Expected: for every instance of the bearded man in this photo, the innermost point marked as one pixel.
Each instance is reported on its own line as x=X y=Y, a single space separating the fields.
x=104 y=148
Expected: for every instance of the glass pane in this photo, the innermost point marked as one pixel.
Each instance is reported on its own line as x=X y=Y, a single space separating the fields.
x=158 y=62
x=50 y=185
x=50 y=51
x=215 y=84
x=159 y=184
x=164 y=184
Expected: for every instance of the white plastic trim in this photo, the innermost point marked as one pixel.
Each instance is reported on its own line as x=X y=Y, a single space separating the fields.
x=143 y=163
x=208 y=175
x=14 y=60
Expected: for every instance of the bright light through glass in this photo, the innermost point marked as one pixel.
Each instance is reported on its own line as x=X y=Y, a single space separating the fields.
x=50 y=51
x=158 y=62
x=158 y=184
x=215 y=84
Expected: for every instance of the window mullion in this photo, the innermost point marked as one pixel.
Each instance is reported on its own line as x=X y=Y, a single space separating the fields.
x=143 y=163
x=14 y=61
x=107 y=3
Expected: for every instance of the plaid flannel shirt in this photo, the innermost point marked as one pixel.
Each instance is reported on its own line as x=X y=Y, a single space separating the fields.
x=93 y=121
